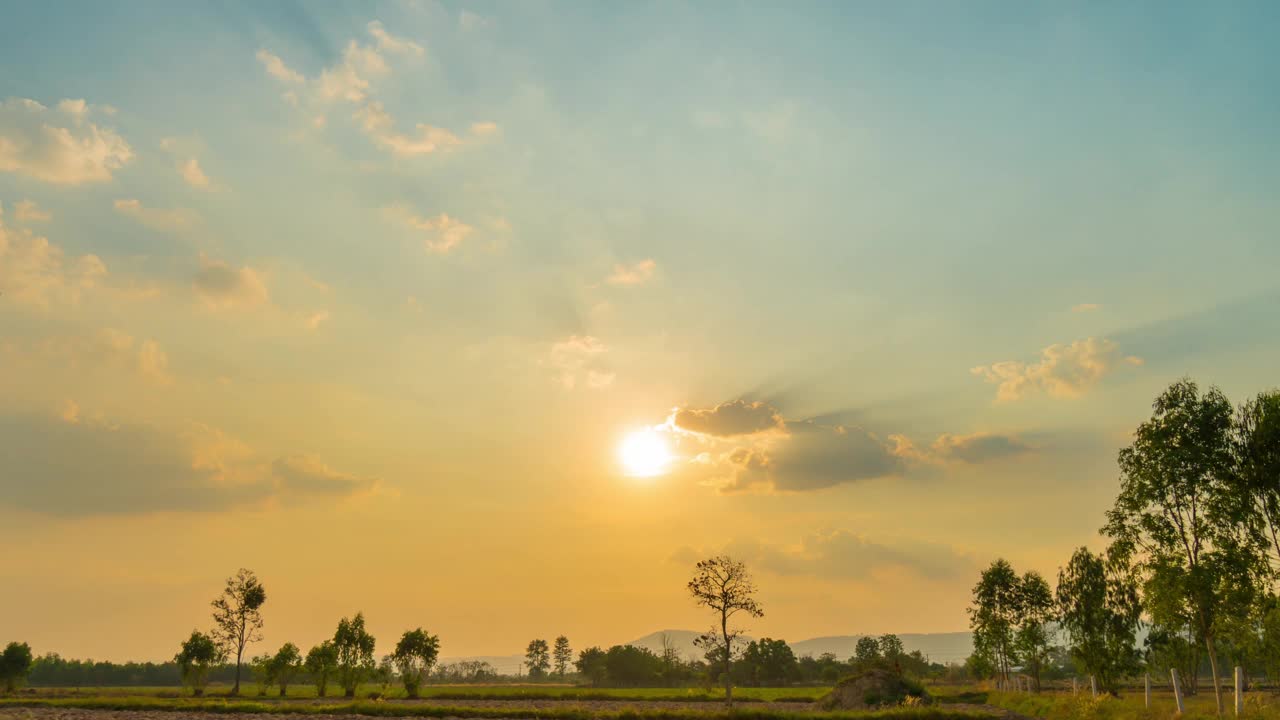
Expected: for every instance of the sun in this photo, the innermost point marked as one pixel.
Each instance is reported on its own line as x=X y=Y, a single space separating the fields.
x=644 y=453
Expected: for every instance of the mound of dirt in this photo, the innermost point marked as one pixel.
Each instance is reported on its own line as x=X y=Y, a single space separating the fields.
x=870 y=689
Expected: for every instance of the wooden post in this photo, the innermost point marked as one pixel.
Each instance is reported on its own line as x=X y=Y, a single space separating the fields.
x=1177 y=690
x=1148 y=694
x=1239 y=690
x=1075 y=686
x=1093 y=685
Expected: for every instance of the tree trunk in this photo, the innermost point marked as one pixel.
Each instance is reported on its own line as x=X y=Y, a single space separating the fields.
x=1213 y=670
x=728 y=660
x=236 y=690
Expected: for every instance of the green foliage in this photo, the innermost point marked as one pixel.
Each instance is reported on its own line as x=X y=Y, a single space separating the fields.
x=414 y=655
x=891 y=648
x=1032 y=639
x=354 y=647
x=321 y=664
x=537 y=658
x=630 y=666
x=768 y=662
x=867 y=651
x=1256 y=443
x=263 y=672
x=562 y=656
x=15 y=665
x=1099 y=610
x=197 y=657
x=285 y=666
x=994 y=615
x=591 y=665
x=237 y=616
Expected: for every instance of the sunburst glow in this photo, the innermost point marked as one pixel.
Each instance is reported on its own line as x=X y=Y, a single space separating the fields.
x=644 y=453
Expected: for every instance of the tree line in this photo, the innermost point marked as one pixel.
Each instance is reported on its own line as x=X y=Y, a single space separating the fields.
x=1194 y=558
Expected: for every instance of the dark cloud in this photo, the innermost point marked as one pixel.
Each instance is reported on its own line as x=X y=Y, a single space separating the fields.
x=73 y=468
x=977 y=448
x=736 y=417
x=813 y=457
x=844 y=555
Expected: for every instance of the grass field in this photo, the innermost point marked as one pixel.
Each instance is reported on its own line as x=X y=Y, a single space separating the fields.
x=1263 y=705
x=463 y=692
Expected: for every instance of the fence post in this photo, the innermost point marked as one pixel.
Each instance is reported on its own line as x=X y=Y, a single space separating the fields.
x=1239 y=690
x=1177 y=690
x=1148 y=688
x=1093 y=685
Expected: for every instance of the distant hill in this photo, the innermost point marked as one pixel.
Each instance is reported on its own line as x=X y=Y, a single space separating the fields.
x=938 y=647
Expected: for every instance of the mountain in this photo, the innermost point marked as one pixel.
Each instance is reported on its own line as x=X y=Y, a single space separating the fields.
x=938 y=647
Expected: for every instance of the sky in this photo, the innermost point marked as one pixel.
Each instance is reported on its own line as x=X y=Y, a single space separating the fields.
x=494 y=318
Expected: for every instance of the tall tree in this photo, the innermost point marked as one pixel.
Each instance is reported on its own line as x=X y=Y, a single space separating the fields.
x=1098 y=609
x=415 y=654
x=1257 y=451
x=198 y=655
x=769 y=663
x=1182 y=519
x=354 y=647
x=537 y=657
x=321 y=664
x=287 y=662
x=562 y=654
x=993 y=617
x=591 y=665
x=1033 y=640
x=15 y=665
x=891 y=648
x=724 y=585
x=867 y=651
x=237 y=616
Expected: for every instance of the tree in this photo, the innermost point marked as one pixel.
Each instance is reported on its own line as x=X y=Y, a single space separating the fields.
x=263 y=672
x=867 y=652
x=354 y=647
x=237 y=616
x=769 y=663
x=591 y=665
x=891 y=648
x=197 y=657
x=1256 y=444
x=1098 y=609
x=994 y=615
x=631 y=666
x=562 y=654
x=321 y=664
x=724 y=585
x=15 y=665
x=537 y=658
x=1032 y=639
x=414 y=655
x=286 y=664
x=1181 y=518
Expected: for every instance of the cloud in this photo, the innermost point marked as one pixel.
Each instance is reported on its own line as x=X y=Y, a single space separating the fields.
x=977 y=447
x=391 y=43
x=379 y=125
x=117 y=348
x=35 y=272
x=1086 y=307
x=845 y=555
x=223 y=286
x=39 y=143
x=72 y=466
x=468 y=20
x=812 y=457
x=637 y=274
x=314 y=320
x=277 y=69
x=578 y=360
x=28 y=211
x=1063 y=371
x=736 y=417
x=194 y=175
x=171 y=220
x=484 y=129
x=444 y=233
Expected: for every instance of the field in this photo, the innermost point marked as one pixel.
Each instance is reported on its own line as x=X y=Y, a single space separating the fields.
x=1264 y=705
x=249 y=691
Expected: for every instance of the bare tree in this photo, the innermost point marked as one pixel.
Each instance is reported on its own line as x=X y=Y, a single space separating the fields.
x=237 y=616
x=724 y=585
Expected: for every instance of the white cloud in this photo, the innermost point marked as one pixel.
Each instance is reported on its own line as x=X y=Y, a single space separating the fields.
x=391 y=43
x=35 y=272
x=444 y=233
x=194 y=175
x=277 y=69
x=223 y=286
x=578 y=360
x=29 y=211
x=380 y=127
x=171 y=220
x=35 y=142
x=484 y=129
x=1063 y=371
x=636 y=274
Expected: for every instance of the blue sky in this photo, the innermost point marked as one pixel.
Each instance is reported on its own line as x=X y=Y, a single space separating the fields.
x=348 y=264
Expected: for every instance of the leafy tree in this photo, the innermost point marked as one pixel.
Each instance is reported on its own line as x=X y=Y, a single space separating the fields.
x=415 y=654
x=1175 y=648
x=1032 y=639
x=1099 y=610
x=354 y=647
x=1181 y=517
x=321 y=664
x=980 y=665
x=769 y=663
x=15 y=665
x=237 y=616
x=891 y=648
x=724 y=585
x=538 y=659
x=285 y=665
x=263 y=672
x=867 y=652
x=591 y=665
x=562 y=655
x=197 y=657
x=385 y=673
x=631 y=666
x=1256 y=441
x=994 y=615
